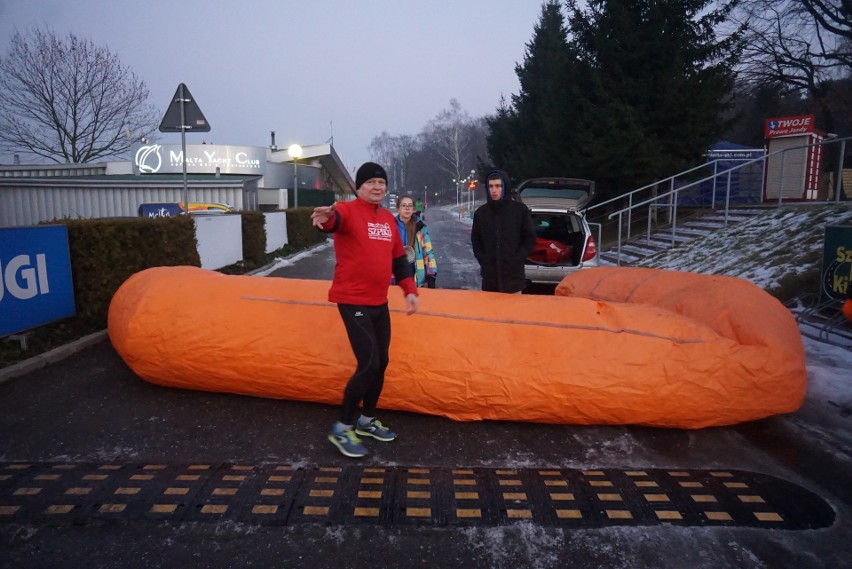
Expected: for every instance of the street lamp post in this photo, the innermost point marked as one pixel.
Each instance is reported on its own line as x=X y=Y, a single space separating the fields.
x=295 y=152
x=458 y=200
x=472 y=192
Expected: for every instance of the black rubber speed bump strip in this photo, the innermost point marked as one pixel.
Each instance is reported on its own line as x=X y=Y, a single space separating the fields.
x=45 y=493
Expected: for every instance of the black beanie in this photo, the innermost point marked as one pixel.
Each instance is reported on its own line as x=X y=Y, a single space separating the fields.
x=368 y=171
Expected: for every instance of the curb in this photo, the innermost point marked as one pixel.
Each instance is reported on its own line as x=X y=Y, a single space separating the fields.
x=53 y=356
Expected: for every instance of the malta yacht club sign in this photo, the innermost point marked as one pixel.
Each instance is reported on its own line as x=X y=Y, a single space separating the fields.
x=200 y=159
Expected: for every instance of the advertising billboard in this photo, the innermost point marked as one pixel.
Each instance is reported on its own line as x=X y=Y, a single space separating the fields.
x=788 y=126
x=200 y=159
x=836 y=262
x=35 y=277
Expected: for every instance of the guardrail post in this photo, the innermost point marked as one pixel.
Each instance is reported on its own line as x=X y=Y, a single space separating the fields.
x=629 y=215
x=839 y=184
x=648 y=233
x=713 y=193
x=674 y=218
x=618 y=252
x=728 y=198
x=672 y=199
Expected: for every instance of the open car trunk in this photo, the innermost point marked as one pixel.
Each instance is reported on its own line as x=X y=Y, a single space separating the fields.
x=555 y=204
x=559 y=239
x=563 y=238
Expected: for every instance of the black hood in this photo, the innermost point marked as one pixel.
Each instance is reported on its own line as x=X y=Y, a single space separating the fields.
x=507 y=188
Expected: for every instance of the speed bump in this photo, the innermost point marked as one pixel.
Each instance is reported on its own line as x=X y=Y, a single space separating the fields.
x=37 y=492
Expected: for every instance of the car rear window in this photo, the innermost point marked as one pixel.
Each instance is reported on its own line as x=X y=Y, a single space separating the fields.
x=551 y=192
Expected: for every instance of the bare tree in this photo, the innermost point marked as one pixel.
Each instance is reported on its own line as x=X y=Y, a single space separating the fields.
x=805 y=45
x=383 y=149
x=451 y=136
x=69 y=101
x=450 y=144
x=404 y=146
x=834 y=18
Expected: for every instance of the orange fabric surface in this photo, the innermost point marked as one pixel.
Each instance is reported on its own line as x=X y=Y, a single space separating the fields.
x=623 y=346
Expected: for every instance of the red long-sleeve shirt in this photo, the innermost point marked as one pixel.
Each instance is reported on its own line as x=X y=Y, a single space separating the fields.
x=366 y=241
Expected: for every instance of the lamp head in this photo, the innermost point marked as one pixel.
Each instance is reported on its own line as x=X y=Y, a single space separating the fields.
x=295 y=151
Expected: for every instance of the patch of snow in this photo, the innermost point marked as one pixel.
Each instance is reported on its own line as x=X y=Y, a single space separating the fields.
x=763 y=249
x=281 y=263
x=454 y=209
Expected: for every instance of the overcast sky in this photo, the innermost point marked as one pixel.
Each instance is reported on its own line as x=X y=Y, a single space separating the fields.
x=304 y=69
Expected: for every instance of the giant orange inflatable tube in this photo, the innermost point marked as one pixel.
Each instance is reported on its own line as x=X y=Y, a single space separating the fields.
x=619 y=346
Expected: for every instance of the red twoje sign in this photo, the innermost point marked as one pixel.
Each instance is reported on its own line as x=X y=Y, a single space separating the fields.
x=788 y=126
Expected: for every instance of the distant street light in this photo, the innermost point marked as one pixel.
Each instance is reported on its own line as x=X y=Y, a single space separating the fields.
x=472 y=192
x=295 y=152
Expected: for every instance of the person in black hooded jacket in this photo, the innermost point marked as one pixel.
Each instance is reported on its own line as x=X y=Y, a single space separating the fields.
x=502 y=237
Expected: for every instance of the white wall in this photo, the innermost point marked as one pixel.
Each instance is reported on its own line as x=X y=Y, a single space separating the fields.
x=26 y=202
x=276 y=230
x=273 y=196
x=220 y=239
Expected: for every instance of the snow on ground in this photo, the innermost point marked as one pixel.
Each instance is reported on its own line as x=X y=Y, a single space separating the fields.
x=830 y=373
x=280 y=263
x=762 y=250
x=827 y=410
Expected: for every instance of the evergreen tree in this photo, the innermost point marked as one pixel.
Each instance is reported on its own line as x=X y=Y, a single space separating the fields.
x=544 y=104
x=500 y=139
x=529 y=137
x=655 y=85
x=627 y=92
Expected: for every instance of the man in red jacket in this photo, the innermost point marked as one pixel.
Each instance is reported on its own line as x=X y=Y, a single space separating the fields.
x=368 y=250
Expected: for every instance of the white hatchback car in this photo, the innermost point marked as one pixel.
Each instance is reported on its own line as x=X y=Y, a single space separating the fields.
x=564 y=240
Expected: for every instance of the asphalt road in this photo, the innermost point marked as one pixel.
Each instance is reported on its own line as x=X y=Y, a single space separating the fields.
x=91 y=411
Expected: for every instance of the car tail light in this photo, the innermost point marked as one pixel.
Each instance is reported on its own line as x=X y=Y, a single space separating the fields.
x=591 y=249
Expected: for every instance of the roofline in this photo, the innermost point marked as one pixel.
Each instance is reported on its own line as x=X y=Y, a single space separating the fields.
x=328 y=158
x=124 y=182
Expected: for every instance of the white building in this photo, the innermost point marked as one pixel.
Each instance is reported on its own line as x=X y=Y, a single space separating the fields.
x=245 y=177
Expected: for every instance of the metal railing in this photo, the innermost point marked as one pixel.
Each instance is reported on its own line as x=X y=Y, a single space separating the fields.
x=669 y=199
x=821 y=320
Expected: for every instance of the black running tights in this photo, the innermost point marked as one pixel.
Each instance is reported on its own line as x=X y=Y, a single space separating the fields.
x=369 y=333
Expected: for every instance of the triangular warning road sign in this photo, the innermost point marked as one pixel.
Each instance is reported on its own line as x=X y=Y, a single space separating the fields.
x=194 y=120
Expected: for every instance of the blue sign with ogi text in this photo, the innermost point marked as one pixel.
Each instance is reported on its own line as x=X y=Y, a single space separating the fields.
x=35 y=277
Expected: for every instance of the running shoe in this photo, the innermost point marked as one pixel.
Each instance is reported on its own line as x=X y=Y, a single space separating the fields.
x=374 y=429
x=347 y=443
